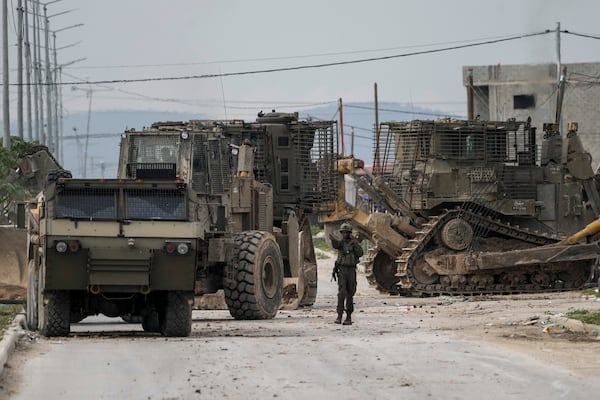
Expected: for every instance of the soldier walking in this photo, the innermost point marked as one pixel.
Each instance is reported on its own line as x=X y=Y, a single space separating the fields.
x=349 y=252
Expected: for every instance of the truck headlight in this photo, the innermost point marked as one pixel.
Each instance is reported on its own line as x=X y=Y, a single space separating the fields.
x=72 y=246
x=61 y=247
x=177 y=248
x=183 y=248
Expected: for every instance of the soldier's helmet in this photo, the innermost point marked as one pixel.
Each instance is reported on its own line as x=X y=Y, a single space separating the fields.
x=345 y=228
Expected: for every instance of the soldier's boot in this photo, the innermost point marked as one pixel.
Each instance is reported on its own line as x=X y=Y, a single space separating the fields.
x=338 y=320
x=348 y=320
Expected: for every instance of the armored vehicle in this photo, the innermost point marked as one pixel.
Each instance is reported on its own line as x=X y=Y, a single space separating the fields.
x=475 y=207
x=197 y=206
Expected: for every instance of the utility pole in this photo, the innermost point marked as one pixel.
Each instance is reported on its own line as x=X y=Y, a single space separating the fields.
x=55 y=97
x=57 y=89
x=49 y=136
x=561 y=75
x=558 y=62
x=37 y=72
x=20 y=69
x=376 y=160
x=6 y=105
x=28 y=73
x=341 y=109
x=87 y=132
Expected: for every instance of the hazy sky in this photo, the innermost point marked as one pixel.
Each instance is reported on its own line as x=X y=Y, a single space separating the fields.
x=133 y=39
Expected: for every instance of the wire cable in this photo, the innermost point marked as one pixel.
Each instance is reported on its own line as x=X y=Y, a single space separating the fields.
x=585 y=35
x=302 y=67
x=407 y=112
x=187 y=64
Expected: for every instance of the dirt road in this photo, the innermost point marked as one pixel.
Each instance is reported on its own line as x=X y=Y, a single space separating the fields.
x=464 y=348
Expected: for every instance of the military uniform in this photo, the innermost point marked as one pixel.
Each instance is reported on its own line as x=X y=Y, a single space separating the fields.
x=349 y=252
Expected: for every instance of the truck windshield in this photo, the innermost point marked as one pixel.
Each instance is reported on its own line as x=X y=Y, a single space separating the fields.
x=153 y=148
x=139 y=204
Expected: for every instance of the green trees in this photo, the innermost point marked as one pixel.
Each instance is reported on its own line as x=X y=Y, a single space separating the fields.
x=11 y=187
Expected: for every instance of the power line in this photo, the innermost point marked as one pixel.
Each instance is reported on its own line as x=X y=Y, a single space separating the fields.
x=406 y=112
x=93 y=136
x=301 y=67
x=191 y=102
x=586 y=35
x=187 y=64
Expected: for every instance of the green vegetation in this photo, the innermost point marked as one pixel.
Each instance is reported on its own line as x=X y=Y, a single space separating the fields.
x=7 y=314
x=589 y=292
x=321 y=244
x=314 y=229
x=585 y=316
x=10 y=188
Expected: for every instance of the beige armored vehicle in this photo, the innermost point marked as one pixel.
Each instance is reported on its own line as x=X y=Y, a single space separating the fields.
x=196 y=207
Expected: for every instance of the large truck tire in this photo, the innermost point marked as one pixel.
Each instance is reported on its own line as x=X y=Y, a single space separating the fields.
x=177 y=316
x=151 y=322
x=56 y=321
x=32 y=297
x=56 y=174
x=132 y=319
x=257 y=287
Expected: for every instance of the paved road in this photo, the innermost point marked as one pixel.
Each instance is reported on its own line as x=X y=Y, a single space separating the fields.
x=387 y=354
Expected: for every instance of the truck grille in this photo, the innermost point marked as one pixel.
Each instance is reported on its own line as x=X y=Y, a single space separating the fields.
x=126 y=266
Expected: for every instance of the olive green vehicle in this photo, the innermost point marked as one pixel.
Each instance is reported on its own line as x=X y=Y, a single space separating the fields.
x=478 y=207
x=471 y=208
x=197 y=207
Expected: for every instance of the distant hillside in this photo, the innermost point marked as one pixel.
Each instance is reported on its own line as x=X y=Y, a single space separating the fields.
x=106 y=128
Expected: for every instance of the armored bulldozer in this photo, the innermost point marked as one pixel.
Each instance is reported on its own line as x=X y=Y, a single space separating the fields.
x=475 y=207
x=197 y=207
x=26 y=176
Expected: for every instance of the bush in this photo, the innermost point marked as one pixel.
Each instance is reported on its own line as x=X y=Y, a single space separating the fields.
x=12 y=189
x=7 y=314
x=585 y=316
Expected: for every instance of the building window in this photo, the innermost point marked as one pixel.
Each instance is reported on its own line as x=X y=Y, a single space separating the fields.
x=523 y=101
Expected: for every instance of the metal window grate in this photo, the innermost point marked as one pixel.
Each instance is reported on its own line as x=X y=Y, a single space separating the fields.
x=219 y=165
x=148 y=150
x=199 y=167
x=152 y=170
x=320 y=180
x=86 y=203
x=405 y=153
x=157 y=204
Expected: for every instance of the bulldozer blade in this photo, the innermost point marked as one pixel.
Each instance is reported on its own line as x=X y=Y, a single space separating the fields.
x=538 y=255
x=13 y=265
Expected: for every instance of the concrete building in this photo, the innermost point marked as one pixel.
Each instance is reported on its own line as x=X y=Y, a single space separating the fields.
x=521 y=91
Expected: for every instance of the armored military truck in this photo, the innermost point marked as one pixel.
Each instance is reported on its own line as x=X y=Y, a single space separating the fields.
x=191 y=212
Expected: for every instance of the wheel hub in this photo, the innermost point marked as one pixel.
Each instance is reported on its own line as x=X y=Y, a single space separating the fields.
x=457 y=234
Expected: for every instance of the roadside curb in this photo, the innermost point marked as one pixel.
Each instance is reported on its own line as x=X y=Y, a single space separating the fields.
x=14 y=332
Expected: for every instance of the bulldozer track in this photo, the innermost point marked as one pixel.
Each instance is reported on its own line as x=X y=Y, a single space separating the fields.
x=537 y=280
